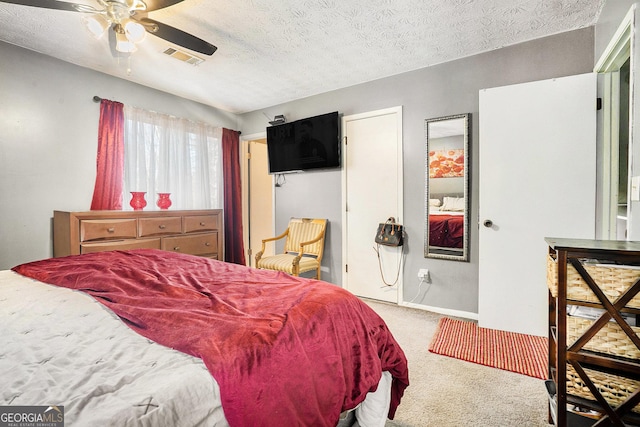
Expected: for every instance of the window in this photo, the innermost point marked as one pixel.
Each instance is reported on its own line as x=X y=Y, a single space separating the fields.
x=167 y=154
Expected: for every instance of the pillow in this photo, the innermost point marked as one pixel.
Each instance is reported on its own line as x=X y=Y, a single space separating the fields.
x=434 y=202
x=453 y=204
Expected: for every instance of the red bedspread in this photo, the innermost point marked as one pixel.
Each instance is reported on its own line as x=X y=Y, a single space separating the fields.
x=284 y=350
x=446 y=230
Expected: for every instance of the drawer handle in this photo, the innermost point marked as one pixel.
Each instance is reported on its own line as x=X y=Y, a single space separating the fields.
x=162 y=226
x=202 y=224
x=177 y=248
x=111 y=229
x=207 y=244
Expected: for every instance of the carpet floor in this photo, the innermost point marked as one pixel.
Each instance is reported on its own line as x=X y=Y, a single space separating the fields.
x=448 y=392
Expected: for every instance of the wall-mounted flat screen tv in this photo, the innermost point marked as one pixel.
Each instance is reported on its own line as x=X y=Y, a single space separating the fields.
x=311 y=143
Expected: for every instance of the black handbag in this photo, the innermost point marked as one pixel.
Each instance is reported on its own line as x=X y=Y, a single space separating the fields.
x=390 y=233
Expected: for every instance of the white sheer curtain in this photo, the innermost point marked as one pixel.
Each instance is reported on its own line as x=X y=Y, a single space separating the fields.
x=167 y=154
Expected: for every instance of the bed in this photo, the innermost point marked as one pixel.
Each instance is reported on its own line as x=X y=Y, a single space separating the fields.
x=148 y=337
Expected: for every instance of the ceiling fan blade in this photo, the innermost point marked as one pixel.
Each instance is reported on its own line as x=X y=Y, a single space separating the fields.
x=112 y=43
x=177 y=36
x=159 y=4
x=48 y=4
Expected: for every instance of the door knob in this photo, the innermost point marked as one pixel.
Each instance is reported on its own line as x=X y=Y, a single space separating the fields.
x=488 y=223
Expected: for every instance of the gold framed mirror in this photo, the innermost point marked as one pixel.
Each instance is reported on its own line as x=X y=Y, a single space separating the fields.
x=447 y=187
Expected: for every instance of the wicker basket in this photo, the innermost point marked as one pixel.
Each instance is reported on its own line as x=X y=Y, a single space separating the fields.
x=613 y=281
x=611 y=339
x=614 y=389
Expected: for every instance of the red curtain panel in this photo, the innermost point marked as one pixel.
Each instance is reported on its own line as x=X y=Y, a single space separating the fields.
x=233 y=238
x=107 y=193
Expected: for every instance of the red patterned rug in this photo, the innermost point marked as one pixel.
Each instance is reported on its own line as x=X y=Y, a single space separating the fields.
x=524 y=354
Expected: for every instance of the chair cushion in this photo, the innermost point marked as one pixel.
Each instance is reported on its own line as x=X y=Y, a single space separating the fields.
x=284 y=262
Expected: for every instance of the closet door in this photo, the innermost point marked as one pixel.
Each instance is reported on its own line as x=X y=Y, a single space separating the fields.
x=372 y=192
x=537 y=180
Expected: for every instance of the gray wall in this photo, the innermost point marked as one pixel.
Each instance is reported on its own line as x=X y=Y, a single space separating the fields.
x=441 y=90
x=49 y=123
x=48 y=142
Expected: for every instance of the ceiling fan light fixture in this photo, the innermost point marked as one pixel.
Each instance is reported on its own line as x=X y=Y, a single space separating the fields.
x=123 y=44
x=96 y=25
x=134 y=31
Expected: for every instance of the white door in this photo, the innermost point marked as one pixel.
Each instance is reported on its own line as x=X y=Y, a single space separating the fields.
x=258 y=199
x=537 y=180
x=372 y=180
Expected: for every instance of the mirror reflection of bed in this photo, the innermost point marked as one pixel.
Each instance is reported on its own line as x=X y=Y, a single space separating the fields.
x=446 y=224
x=446 y=184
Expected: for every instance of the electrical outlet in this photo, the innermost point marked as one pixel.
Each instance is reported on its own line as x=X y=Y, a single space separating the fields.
x=423 y=273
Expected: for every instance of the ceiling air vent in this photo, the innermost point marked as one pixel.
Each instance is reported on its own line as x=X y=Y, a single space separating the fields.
x=183 y=56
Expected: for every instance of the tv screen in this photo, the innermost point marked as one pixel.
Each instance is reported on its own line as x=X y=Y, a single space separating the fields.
x=311 y=143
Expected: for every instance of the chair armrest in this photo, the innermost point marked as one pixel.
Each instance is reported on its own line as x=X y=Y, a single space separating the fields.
x=270 y=239
x=308 y=242
x=296 y=260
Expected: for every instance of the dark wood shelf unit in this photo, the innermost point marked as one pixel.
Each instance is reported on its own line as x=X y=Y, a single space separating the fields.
x=564 y=354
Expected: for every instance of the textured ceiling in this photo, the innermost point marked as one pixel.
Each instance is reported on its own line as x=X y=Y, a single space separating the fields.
x=270 y=52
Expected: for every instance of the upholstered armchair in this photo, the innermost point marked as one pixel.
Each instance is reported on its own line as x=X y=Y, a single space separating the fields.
x=303 y=248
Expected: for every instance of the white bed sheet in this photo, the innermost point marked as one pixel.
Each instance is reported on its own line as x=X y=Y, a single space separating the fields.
x=437 y=211
x=61 y=347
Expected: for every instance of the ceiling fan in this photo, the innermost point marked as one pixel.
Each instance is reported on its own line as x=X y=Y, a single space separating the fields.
x=128 y=20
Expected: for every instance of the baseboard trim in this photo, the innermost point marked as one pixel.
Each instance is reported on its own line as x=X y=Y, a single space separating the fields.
x=440 y=310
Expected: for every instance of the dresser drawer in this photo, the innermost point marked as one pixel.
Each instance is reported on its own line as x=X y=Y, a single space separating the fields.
x=196 y=244
x=120 y=245
x=160 y=225
x=96 y=229
x=195 y=223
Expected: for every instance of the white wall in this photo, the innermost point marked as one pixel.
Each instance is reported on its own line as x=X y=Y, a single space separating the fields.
x=441 y=90
x=48 y=142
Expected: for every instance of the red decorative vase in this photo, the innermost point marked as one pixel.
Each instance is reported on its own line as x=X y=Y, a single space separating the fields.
x=137 y=200
x=163 y=200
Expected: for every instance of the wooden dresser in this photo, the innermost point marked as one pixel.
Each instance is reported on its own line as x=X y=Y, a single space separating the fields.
x=195 y=232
